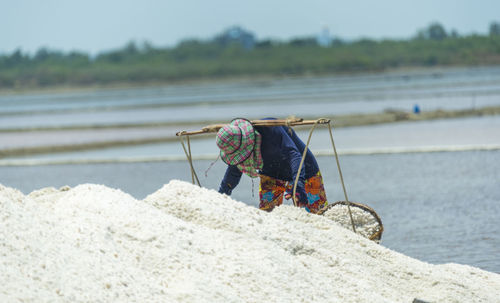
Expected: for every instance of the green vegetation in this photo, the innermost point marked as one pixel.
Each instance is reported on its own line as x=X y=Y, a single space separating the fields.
x=223 y=58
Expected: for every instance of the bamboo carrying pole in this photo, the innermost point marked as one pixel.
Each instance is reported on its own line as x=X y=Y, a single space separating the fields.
x=283 y=122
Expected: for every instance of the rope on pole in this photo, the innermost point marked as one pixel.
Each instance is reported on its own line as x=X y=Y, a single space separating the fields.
x=190 y=155
x=301 y=163
x=341 y=177
x=189 y=158
x=323 y=121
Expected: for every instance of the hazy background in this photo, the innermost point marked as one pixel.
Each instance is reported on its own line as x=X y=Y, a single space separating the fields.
x=93 y=26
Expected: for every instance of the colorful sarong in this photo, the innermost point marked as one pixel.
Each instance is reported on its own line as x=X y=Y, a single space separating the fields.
x=272 y=191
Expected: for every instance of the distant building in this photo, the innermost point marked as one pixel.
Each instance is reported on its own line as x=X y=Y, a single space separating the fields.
x=236 y=35
x=324 y=39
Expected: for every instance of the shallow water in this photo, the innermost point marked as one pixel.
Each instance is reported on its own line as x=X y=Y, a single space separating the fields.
x=457 y=88
x=477 y=133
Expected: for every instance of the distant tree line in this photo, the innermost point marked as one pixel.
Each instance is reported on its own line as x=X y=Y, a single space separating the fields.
x=235 y=52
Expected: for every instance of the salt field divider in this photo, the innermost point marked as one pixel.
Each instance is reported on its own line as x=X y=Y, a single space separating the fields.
x=211 y=157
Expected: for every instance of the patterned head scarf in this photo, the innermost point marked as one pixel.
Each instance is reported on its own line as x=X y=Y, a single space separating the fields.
x=239 y=145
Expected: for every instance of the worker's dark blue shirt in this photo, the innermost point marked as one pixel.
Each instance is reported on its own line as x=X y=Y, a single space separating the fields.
x=281 y=150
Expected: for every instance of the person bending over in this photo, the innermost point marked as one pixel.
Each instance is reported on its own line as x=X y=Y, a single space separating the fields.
x=273 y=154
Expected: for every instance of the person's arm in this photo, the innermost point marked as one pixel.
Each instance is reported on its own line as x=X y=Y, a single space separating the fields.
x=231 y=179
x=294 y=156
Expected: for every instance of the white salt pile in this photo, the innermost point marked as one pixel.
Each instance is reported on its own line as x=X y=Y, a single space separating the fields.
x=189 y=244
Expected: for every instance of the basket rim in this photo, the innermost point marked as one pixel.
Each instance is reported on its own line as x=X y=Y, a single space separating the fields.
x=378 y=234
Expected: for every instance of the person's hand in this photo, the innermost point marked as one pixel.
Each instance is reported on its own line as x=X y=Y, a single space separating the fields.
x=301 y=198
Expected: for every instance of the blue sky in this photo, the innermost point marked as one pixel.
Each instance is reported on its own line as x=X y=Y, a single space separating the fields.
x=98 y=25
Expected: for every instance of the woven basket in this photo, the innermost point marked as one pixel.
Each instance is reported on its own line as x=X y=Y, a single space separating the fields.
x=377 y=235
